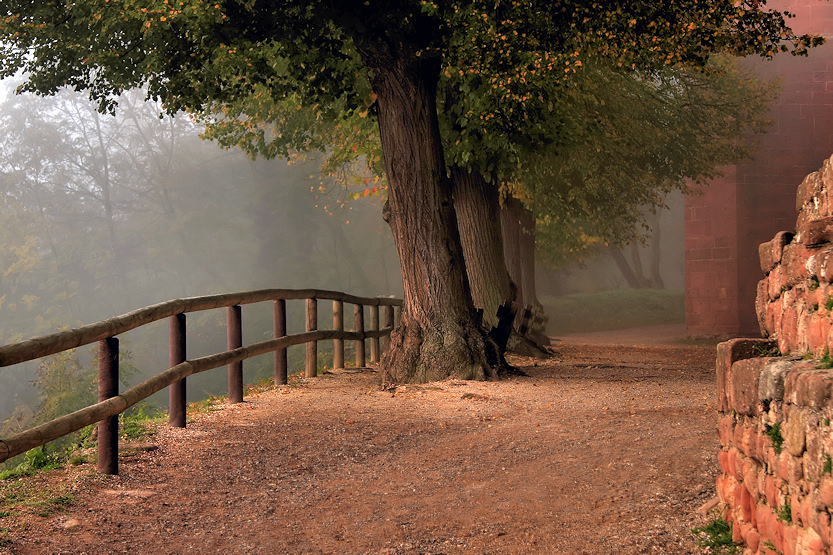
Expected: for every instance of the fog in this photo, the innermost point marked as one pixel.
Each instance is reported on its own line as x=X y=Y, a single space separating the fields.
x=601 y=273
x=100 y=215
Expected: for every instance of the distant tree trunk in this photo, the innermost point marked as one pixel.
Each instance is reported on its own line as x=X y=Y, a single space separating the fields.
x=656 y=278
x=478 y=213
x=518 y=224
x=625 y=268
x=633 y=271
x=636 y=266
x=510 y=221
x=438 y=335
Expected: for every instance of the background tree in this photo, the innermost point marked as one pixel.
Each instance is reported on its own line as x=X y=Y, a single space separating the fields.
x=189 y=220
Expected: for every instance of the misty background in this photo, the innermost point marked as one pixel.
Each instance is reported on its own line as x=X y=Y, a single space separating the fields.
x=101 y=214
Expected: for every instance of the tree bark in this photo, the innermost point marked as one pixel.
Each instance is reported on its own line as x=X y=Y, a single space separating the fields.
x=438 y=336
x=477 y=204
x=518 y=225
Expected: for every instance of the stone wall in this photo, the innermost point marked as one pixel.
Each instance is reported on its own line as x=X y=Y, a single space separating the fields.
x=775 y=427
x=795 y=301
x=777 y=441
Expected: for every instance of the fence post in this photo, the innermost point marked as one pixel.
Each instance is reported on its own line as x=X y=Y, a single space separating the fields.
x=177 y=390
x=279 y=326
x=397 y=316
x=388 y=324
x=312 y=346
x=235 y=340
x=374 y=341
x=361 y=361
x=108 y=386
x=338 y=325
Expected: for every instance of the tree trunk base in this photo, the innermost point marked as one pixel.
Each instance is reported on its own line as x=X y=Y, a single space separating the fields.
x=523 y=346
x=419 y=355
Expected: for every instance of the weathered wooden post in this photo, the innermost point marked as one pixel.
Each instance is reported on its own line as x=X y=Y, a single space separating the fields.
x=279 y=330
x=338 y=325
x=235 y=340
x=361 y=360
x=374 y=326
x=388 y=324
x=397 y=315
x=177 y=390
x=312 y=346
x=108 y=386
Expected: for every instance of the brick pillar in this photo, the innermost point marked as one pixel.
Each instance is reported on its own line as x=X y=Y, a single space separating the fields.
x=757 y=198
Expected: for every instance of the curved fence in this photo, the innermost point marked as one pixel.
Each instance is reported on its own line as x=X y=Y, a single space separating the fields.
x=112 y=403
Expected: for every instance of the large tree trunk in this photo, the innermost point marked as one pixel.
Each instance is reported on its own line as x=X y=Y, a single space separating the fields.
x=518 y=224
x=477 y=204
x=438 y=335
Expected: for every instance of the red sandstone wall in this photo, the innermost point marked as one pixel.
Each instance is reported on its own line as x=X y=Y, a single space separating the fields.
x=755 y=199
x=775 y=427
x=777 y=487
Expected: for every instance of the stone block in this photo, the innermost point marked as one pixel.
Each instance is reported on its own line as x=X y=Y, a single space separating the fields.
x=811 y=200
x=761 y=303
x=794 y=429
x=750 y=480
x=762 y=513
x=772 y=379
x=826 y=491
x=809 y=386
x=753 y=540
x=775 y=283
x=815 y=232
x=818 y=329
x=725 y=430
x=742 y=386
x=790 y=541
x=821 y=524
x=766 y=257
x=823 y=265
x=734 y=466
x=788 y=329
x=729 y=352
x=794 y=264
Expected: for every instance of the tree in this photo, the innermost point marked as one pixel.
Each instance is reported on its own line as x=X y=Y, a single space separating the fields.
x=332 y=54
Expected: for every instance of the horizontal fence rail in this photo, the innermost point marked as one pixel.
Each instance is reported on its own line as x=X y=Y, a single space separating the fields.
x=111 y=403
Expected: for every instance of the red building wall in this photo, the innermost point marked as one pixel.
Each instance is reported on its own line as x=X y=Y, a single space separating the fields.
x=756 y=199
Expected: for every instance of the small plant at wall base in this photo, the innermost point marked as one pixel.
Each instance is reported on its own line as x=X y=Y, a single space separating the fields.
x=826 y=361
x=717 y=535
x=785 y=513
x=767 y=350
x=775 y=437
x=828 y=466
x=828 y=304
x=814 y=283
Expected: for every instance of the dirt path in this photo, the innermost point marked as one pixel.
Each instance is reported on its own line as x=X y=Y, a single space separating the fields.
x=602 y=450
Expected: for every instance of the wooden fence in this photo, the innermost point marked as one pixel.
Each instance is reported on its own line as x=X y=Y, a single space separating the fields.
x=105 y=333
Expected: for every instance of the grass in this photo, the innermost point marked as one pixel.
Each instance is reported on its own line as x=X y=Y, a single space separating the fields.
x=614 y=310
x=775 y=437
x=785 y=513
x=717 y=536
